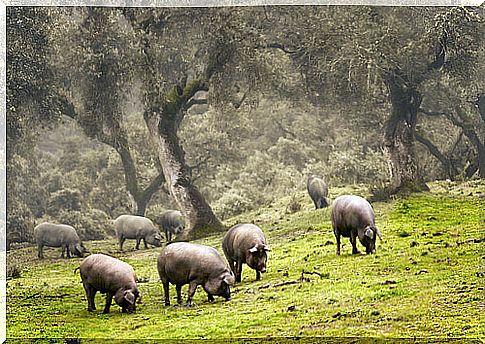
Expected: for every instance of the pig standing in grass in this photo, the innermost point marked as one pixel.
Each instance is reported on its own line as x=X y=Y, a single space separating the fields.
x=136 y=227
x=318 y=191
x=111 y=276
x=172 y=222
x=353 y=216
x=245 y=243
x=56 y=235
x=183 y=263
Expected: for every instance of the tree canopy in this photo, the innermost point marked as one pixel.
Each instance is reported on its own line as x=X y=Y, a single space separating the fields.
x=227 y=108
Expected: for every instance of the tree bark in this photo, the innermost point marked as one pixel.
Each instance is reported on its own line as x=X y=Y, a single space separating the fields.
x=399 y=136
x=163 y=127
x=140 y=197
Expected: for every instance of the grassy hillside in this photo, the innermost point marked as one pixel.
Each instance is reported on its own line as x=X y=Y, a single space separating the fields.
x=426 y=280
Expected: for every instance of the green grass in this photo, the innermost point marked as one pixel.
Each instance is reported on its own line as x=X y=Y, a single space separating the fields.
x=426 y=280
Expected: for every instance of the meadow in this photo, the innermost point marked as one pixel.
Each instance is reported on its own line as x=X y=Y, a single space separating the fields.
x=426 y=280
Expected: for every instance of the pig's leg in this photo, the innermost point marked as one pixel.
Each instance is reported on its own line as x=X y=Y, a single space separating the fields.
x=63 y=249
x=165 y=291
x=353 y=241
x=90 y=292
x=145 y=243
x=68 y=252
x=238 y=270
x=138 y=243
x=178 y=287
x=258 y=275
x=192 y=289
x=40 y=251
x=122 y=240
x=337 y=237
x=109 y=298
x=210 y=297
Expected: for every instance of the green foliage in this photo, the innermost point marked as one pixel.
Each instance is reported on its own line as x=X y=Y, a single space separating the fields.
x=20 y=224
x=262 y=135
x=404 y=291
x=92 y=224
x=64 y=200
x=230 y=204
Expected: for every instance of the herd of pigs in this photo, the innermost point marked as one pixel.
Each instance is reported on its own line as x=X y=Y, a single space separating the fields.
x=181 y=263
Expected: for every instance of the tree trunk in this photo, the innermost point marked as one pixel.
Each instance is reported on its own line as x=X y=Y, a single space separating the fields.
x=199 y=215
x=399 y=137
x=481 y=160
x=139 y=198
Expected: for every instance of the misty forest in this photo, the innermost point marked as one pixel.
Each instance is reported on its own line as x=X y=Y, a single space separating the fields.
x=223 y=114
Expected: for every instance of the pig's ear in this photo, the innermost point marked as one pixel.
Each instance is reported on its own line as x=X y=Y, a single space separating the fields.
x=369 y=233
x=229 y=278
x=377 y=232
x=140 y=296
x=129 y=297
x=253 y=249
x=266 y=248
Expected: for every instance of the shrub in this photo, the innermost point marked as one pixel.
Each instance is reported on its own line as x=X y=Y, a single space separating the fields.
x=64 y=200
x=293 y=206
x=92 y=224
x=231 y=203
x=20 y=224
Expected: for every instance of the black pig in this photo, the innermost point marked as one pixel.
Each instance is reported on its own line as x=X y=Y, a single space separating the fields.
x=353 y=216
x=318 y=191
x=183 y=263
x=245 y=243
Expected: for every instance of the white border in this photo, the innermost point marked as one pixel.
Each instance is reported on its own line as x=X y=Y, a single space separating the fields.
x=221 y=3
x=138 y=3
x=3 y=175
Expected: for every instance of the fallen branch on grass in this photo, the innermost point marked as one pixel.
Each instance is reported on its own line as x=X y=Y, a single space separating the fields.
x=299 y=280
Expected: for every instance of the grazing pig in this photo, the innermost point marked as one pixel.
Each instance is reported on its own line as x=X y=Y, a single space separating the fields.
x=245 y=243
x=352 y=216
x=136 y=227
x=56 y=235
x=111 y=276
x=183 y=263
x=318 y=191
x=172 y=222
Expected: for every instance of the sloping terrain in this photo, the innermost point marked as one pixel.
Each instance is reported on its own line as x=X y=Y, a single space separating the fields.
x=426 y=280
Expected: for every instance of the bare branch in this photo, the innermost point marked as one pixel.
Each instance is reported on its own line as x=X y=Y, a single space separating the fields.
x=432 y=113
x=193 y=102
x=451 y=171
x=281 y=47
x=239 y=103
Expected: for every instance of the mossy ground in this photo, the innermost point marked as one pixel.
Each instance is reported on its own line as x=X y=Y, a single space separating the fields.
x=426 y=280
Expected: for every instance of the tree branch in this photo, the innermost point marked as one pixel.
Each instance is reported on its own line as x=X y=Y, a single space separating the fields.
x=431 y=113
x=193 y=102
x=239 y=103
x=153 y=187
x=446 y=162
x=280 y=47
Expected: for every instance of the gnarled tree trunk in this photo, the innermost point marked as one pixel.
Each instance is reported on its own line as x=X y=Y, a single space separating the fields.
x=140 y=197
x=163 y=126
x=399 y=136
